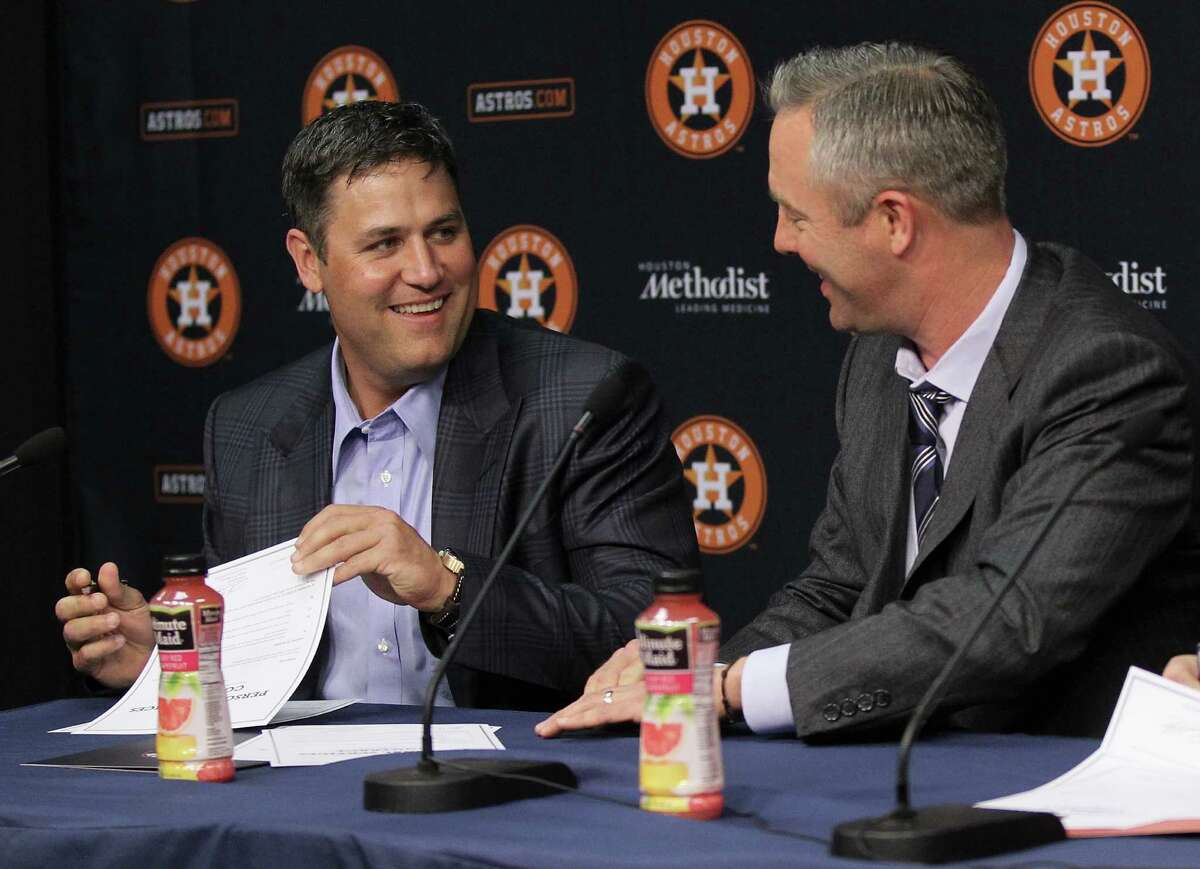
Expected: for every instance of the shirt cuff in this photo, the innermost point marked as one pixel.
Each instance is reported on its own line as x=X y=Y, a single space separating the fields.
x=766 y=702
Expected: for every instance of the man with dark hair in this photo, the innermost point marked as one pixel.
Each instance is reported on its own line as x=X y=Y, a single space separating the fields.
x=986 y=375
x=405 y=453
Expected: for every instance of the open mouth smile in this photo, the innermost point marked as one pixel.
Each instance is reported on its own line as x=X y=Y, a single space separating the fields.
x=419 y=307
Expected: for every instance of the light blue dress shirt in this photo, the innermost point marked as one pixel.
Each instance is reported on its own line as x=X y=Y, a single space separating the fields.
x=375 y=649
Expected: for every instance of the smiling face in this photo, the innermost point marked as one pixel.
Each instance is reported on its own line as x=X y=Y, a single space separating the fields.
x=399 y=275
x=852 y=261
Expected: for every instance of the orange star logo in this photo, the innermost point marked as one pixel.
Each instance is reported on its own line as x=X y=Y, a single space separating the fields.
x=1089 y=48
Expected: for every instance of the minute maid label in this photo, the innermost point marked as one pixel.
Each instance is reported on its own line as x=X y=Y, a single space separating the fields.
x=173 y=628
x=667 y=657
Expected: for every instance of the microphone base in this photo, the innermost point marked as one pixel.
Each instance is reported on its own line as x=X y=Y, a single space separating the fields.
x=941 y=834
x=440 y=788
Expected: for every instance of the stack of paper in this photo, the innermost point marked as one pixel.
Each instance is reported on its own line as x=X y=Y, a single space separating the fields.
x=1144 y=778
x=273 y=624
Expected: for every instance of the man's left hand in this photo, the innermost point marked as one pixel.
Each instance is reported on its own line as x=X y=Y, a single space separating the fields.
x=376 y=544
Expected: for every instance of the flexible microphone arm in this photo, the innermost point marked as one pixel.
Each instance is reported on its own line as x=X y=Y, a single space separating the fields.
x=1131 y=434
x=427 y=763
x=605 y=400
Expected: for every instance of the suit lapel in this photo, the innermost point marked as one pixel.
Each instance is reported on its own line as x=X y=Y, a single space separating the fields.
x=989 y=402
x=891 y=475
x=474 y=429
x=298 y=480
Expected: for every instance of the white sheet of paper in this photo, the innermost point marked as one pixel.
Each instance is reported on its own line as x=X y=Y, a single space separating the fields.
x=273 y=624
x=316 y=745
x=255 y=748
x=1144 y=778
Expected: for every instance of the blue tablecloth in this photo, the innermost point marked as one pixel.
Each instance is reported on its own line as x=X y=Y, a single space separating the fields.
x=779 y=791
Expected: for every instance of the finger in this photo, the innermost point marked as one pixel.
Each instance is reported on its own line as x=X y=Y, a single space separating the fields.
x=78 y=580
x=356 y=565
x=333 y=521
x=79 y=605
x=81 y=631
x=116 y=593
x=631 y=674
x=341 y=548
x=591 y=711
x=609 y=673
x=91 y=655
x=1183 y=669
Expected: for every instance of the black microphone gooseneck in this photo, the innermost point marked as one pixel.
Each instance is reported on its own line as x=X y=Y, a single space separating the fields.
x=952 y=832
x=427 y=786
x=43 y=445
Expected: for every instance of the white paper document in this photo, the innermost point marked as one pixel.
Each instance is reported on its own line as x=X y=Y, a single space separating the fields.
x=273 y=624
x=1144 y=778
x=316 y=745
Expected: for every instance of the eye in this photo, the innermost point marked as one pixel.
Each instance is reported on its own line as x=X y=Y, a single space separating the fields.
x=385 y=244
x=446 y=232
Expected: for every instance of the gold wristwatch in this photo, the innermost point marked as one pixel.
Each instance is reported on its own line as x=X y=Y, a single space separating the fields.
x=446 y=619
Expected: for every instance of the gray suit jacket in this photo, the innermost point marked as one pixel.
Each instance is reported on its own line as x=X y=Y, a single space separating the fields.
x=581 y=572
x=1115 y=582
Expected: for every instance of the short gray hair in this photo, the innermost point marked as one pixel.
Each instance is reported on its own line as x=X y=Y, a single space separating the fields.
x=895 y=115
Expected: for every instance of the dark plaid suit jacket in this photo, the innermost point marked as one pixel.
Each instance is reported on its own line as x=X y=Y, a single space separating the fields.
x=582 y=570
x=1115 y=582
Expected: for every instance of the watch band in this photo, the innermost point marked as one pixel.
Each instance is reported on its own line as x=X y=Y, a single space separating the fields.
x=446 y=619
x=733 y=716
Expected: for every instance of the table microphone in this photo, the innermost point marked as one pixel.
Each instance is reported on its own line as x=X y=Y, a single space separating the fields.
x=43 y=445
x=944 y=833
x=467 y=784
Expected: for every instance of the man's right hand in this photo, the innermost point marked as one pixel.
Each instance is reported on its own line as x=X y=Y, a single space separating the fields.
x=108 y=631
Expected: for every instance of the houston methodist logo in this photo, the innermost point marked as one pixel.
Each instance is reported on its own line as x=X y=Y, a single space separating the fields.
x=1090 y=74
x=526 y=272
x=350 y=74
x=728 y=482
x=700 y=89
x=194 y=302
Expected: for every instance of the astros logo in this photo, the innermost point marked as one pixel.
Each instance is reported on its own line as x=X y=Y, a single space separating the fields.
x=194 y=302
x=1090 y=74
x=350 y=74
x=526 y=272
x=727 y=476
x=700 y=89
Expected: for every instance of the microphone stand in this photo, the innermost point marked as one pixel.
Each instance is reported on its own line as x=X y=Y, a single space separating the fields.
x=944 y=833
x=430 y=787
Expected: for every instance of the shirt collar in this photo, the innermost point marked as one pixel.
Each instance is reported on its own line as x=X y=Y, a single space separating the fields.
x=417 y=408
x=958 y=368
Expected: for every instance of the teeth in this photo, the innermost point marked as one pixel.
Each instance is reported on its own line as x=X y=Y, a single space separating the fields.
x=419 y=308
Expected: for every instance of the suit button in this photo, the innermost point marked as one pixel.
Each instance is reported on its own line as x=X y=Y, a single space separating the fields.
x=848 y=708
x=865 y=702
x=883 y=698
x=831 y=712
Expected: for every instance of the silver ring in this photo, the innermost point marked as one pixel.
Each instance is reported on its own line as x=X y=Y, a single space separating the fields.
x=608 y=695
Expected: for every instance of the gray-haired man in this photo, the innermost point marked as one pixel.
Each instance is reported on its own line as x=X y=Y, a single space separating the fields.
x=986 y=374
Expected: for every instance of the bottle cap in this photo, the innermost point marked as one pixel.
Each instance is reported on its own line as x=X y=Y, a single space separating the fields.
x=192 y=564
x=678 y=580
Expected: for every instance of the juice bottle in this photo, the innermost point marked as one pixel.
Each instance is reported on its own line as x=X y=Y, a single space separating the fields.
x=680 y=770
x=195 y=741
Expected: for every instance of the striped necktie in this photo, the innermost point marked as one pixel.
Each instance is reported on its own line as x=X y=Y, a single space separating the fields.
x=926 y=404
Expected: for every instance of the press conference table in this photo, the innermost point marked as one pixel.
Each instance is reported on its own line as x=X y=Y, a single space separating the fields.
x=785 y=797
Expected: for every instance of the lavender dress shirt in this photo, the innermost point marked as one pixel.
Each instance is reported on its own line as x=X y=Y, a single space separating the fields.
x=375 y=649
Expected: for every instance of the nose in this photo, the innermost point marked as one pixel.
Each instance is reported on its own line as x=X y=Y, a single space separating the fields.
x=783 y=233
x=422 y=268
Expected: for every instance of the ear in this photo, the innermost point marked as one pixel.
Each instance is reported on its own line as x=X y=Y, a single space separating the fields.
x=304 y=255
x=897 y=215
